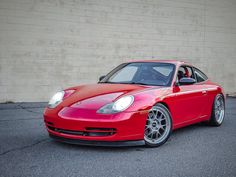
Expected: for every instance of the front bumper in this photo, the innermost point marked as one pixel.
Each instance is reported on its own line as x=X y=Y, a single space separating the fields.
x=86 y=126
x=99 y=143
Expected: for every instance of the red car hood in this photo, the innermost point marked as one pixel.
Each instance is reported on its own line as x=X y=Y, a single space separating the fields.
x=96 y=95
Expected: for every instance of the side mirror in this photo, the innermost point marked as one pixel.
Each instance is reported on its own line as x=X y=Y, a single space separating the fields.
x=186 y=81
x=101 y=78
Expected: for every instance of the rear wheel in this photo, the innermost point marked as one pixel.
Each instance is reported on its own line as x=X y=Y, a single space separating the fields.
x=218 y=111
x=158 y=126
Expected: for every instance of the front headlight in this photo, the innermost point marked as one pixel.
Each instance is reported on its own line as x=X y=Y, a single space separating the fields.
x=56 y=99
x=118 y=106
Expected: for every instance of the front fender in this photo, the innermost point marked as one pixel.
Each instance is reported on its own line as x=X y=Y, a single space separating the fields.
x=147 y=99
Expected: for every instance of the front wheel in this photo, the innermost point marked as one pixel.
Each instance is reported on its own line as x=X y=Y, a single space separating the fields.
x=158 y=126
x=218 y=111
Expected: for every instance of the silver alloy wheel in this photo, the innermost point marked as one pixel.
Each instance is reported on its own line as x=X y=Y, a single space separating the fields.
x=219 y=109
x=158 y=125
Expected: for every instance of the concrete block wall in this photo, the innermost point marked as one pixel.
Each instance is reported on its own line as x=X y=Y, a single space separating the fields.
x=48 y=45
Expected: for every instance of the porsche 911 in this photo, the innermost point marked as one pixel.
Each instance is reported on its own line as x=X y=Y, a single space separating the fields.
x=137 y=103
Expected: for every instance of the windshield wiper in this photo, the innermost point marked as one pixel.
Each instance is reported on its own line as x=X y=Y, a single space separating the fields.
x=138 y=83
x=109 y=82
x=142 y=83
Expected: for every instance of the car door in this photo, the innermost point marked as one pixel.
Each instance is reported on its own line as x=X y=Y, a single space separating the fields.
x=202 y=79
x=189 y=99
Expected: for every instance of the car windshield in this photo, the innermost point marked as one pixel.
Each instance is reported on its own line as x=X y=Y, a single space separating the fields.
x=145 y=73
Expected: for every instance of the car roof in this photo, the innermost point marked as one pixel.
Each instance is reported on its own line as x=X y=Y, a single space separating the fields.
x=176 y=62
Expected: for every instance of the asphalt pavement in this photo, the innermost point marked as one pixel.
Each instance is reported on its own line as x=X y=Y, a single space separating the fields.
x=197 y=150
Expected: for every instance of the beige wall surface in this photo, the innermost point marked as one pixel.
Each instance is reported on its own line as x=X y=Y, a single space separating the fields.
x=47 y=45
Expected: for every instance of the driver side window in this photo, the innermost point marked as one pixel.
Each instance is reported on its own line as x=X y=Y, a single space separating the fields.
x=185 y=71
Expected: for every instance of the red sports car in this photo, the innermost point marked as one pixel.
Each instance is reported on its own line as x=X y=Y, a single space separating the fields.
x=138 y=102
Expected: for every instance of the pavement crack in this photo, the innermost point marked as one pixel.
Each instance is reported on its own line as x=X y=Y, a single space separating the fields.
x=6 y=120
x=26 y=109
x=23 y=147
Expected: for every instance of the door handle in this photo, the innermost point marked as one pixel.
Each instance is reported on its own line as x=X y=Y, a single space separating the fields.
x=204 y=92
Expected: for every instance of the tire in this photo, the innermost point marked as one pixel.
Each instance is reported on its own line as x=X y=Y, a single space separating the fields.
x=218 y=111
x=158 y=126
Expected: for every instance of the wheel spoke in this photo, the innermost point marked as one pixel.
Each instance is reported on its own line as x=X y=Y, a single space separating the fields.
x=147 y=127
x=161 y=117
x=162 y=127
x=158 y=134
x=150 y=116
